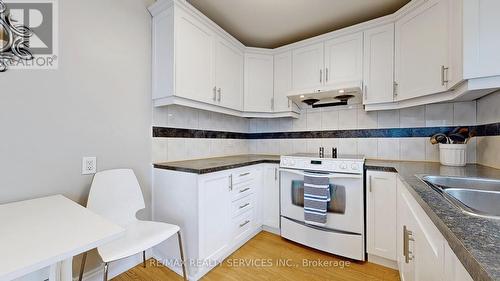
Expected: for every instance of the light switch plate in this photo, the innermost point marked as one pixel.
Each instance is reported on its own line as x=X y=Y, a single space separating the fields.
x=89 y=165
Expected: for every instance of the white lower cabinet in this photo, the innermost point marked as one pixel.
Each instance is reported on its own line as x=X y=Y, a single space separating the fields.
x=398 y=229
x=217 y=212
x=381 y=194
x=270 y=197
x=423 y=253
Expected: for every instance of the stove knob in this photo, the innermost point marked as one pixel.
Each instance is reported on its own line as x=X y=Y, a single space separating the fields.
x=354 y=166
x=343 y=166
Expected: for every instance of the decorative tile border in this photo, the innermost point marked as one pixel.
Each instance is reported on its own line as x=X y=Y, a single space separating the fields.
x=167 y=132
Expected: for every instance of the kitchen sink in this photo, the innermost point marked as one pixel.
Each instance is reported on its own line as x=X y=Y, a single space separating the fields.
x=476 y=196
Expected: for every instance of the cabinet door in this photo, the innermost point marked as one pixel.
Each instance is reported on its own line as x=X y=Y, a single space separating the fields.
x=481 y=38
x=422 y=50
x=429 y=249
x=381 y=214
x=405 y=221
x=308 y=64
x=271 y=197
x=215 y=216
x=282 y=81
x=344 y=60
x=194 y=58
x=258 y=83
x=378 y=64
x=228 y=75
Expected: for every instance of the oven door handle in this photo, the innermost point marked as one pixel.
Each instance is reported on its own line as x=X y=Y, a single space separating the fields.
x=330 y=176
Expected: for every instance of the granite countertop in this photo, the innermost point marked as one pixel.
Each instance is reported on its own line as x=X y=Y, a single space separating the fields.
x=474 y=240
x=211 y=165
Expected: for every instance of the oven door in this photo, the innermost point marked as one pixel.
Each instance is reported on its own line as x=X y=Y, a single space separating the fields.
x=345 y=211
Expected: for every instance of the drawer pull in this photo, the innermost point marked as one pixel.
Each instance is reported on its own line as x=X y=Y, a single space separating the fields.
x=246 y=189
x=244 y=174
x=245 y=205
x=245 y=223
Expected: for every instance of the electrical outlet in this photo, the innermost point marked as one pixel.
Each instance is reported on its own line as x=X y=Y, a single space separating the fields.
x=89 y=165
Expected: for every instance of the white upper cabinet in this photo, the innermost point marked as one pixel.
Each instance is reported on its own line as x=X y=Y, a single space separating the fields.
x=378 y=64
x=259 y=84
x=228 y=88
x=481 y=38
x=308 y=67
x=282 y=81
x=344 y=60
x=422 y=50
x=193 y=58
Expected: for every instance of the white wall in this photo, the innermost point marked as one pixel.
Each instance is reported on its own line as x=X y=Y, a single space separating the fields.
x=98 y=103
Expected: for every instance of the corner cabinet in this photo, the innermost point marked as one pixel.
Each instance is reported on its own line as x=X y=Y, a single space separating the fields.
x=259 y=86
x=197 y=64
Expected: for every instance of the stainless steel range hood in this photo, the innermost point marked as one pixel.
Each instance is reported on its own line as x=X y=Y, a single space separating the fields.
x=332 y=96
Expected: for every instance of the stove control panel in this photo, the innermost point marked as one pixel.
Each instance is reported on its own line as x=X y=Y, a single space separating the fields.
x=351 y=166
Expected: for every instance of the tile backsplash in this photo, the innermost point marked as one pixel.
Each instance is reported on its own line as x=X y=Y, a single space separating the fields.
x=333 y=118
x=488 y=148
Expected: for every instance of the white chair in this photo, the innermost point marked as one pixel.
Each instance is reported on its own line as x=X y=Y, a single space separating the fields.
x=116 y=195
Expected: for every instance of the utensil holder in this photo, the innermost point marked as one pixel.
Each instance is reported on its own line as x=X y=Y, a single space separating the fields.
x=453 y=154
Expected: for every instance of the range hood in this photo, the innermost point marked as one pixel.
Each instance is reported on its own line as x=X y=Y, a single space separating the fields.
x=324 y=97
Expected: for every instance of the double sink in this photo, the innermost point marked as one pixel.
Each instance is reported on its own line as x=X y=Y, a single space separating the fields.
x=475 y=196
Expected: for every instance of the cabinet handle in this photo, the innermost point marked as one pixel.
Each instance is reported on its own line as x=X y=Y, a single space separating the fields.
x=243 y=206
x=230 y=182
x=369 y=183
x=246 y=189
x=395 y=89
x=272 y=104
x=326 y=74
x=275 y=174
x=215 y=93
x=244 y=174
x=245 y=223
x=407 y=237
x=444 y=72
x=219 y=91
x=320 y=76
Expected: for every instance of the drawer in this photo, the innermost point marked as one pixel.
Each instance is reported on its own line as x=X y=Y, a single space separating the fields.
x=242 y=205
x=242 y=225
x=243 y=189
x=243 y=176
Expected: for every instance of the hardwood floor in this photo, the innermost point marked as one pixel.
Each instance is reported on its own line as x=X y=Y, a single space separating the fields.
x=259 y=260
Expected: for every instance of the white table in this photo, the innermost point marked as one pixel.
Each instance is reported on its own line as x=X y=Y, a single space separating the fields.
x=49 y=231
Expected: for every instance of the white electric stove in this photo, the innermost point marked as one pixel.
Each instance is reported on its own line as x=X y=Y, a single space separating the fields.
x=343 y=234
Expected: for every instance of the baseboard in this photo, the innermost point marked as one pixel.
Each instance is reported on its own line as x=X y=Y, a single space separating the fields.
x=115 y=268
x=383 y=261
x=273 y=230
